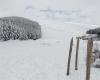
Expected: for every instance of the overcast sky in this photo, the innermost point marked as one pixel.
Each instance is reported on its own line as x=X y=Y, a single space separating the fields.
x=57 y=4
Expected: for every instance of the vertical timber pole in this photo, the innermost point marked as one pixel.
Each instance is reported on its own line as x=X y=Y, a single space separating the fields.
x=76 y=59
x=89 y=55
x=69 y=57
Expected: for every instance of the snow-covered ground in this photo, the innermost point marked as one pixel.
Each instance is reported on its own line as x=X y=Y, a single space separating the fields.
x=46 y=58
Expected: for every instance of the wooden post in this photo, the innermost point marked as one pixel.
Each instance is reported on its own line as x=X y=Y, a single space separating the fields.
x=69 y=57
x=89 y=55
x=76 y=59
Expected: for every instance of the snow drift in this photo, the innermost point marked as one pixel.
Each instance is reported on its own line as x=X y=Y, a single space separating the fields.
x=19 y=28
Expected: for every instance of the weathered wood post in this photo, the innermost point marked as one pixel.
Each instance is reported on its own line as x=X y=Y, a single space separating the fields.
x=76 y=58
x=69 y=57
x=89 y=55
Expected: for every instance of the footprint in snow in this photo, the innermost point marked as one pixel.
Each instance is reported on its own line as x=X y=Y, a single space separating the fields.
x=45 y=44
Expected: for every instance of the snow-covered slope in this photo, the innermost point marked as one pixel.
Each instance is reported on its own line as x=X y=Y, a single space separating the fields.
x=80 y=11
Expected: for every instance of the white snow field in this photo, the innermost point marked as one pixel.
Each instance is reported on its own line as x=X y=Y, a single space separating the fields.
x=46 y=58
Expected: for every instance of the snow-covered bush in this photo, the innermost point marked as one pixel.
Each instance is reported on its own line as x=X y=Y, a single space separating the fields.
x=19 y=28
x=94 y=31
x=96 y=55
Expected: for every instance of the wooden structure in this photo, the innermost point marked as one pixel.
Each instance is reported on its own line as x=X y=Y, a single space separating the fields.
x=76 y=59
x=89 y=56
x=69 y=58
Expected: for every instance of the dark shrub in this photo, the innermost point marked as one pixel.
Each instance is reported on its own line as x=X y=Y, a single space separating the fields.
x=96 y=55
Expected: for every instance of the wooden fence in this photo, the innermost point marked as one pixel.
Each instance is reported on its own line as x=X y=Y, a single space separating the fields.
x=89 y=56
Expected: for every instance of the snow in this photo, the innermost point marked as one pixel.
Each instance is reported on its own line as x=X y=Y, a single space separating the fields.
x=43 y=59
x=46 y=58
